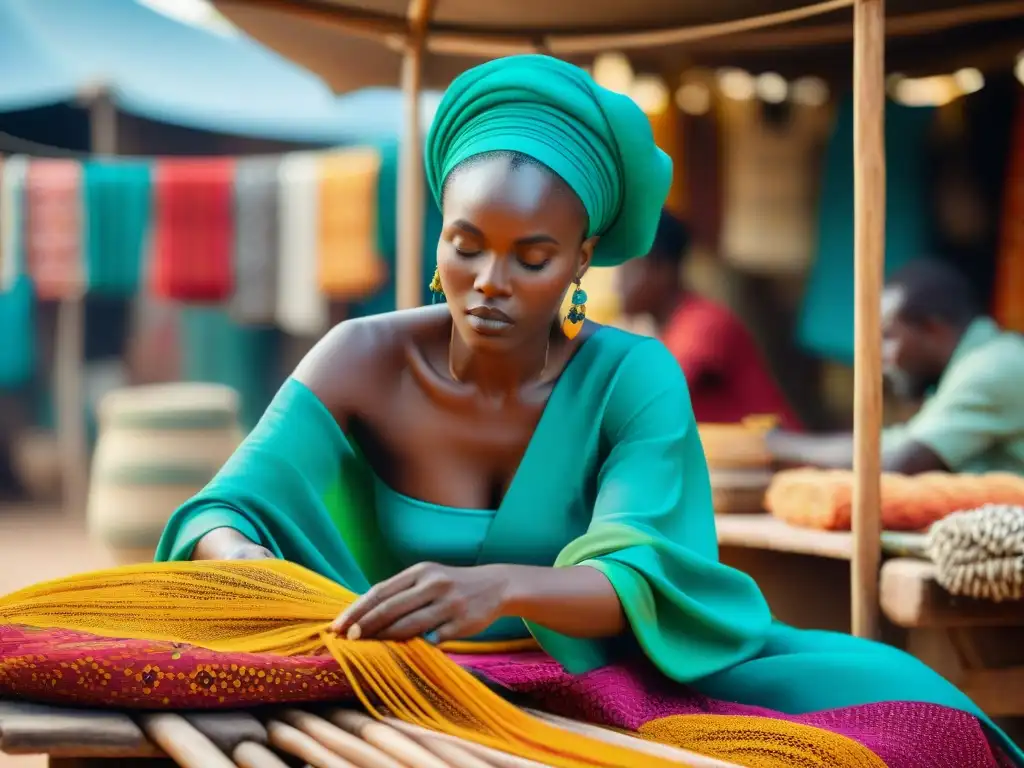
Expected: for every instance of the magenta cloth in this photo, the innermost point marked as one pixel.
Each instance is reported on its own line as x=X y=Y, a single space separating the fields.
x=61 y=666
x=903 y=734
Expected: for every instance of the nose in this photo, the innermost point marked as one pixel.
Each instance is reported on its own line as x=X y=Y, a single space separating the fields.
x=493 y=279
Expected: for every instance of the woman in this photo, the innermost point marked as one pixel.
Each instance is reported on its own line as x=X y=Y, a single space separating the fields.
x=483 y=469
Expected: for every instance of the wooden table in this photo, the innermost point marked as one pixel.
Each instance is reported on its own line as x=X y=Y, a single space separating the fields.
x=976 y=644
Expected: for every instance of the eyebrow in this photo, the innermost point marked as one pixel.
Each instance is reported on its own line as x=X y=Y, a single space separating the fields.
x=528 y=240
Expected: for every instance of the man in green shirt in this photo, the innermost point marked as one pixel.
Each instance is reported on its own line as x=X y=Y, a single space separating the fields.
x=937 y=345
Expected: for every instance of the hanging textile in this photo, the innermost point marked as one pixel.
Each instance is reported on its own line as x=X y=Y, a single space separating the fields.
x=301 y=309
x=12 y=222
x=771 y=156
x=383 y=300
x=349 y=266
x=667 y=127
x=704 y=179
x=117 y=196
x=17 y=302
x=54 y=228
x=257 y=240
x=193 y=229
x=1009 y=287
x=825 y=325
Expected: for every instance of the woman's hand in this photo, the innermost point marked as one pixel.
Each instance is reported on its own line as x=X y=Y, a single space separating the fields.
x=249 y=551
x=437 y=602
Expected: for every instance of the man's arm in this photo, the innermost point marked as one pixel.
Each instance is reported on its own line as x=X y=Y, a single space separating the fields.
x=900 y=453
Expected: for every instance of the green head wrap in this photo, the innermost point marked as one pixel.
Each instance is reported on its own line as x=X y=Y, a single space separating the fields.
x=599 y=142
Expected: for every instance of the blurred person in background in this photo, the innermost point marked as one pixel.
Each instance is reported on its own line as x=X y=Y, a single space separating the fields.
x=940 y=348
x=725 y=371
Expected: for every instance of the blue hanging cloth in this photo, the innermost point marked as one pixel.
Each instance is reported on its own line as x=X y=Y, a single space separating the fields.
x=117 y=205
x=17 y=300
x=825 y=326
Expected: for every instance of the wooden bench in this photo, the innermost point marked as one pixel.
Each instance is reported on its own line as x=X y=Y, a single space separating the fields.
x=324 y=737
x=976 y=644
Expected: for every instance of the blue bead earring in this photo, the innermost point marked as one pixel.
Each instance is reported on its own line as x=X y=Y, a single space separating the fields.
x=573 y=322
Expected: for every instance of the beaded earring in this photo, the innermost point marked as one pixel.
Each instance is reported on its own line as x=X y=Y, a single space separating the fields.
x=435 y=286
x=577 y=312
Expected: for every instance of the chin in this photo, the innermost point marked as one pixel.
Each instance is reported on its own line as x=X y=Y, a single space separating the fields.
x=488 y=339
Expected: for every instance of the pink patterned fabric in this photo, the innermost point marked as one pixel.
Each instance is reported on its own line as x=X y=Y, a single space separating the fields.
x=903 y=734
x=64 y=667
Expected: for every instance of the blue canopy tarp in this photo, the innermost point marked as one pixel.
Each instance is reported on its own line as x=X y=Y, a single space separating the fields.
x=158 y=68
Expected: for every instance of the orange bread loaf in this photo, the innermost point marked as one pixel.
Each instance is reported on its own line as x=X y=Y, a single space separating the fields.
x=823 y=499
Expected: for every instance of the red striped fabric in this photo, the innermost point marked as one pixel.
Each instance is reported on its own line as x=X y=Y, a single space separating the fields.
x=193 y=234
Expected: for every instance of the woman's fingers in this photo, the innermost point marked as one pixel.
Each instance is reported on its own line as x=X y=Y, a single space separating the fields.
x=395 y=609
x=376 y=595
x=421 y=623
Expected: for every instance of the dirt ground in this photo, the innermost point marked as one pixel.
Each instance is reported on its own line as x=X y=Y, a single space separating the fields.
x=36 y=544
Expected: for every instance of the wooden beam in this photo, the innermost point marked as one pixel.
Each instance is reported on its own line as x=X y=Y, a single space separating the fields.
x=869 y=263
x=912 y=598
x=411 y=192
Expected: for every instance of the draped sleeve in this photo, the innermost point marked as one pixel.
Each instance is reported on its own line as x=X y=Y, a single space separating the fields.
x=297 y=486
x=652 y=534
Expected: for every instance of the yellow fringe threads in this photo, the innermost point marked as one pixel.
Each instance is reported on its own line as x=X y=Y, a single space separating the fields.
x=281 y=608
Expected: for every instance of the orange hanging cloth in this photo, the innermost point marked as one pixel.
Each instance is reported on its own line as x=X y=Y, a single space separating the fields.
x=349 y=265
x=54 y=228
x=1009 y=288
x=193 y=234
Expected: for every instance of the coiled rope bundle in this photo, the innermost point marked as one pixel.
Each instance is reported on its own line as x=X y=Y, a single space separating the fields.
x=979 y=553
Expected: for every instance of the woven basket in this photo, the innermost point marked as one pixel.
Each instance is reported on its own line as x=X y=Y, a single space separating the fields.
x=737 y=446
x=740 y=491
x=158 y=446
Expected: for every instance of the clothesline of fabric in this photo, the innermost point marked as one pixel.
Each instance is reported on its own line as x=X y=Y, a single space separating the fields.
x=273 y=237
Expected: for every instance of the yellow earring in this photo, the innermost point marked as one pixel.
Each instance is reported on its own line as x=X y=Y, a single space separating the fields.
x=435 y=285
x=573 y=322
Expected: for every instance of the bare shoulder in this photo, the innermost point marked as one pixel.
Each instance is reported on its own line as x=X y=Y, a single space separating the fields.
x=359 y=361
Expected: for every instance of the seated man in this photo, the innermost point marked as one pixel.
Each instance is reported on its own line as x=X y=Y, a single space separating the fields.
x=724 y=369
x=937 y=345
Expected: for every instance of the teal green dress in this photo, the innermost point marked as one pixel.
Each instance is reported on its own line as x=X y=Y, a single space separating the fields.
x=614 y=477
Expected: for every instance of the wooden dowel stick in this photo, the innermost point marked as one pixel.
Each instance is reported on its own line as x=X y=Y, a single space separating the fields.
x=868 y=275
x=183 y=742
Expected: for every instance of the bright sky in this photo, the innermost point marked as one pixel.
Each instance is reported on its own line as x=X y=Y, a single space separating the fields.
x=198 y=13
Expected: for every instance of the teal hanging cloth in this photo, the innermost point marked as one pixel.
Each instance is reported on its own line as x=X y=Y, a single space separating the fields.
x=117 y=204
x=383 y=300
x=17 y=301
x=217 y=350
x=825 y=326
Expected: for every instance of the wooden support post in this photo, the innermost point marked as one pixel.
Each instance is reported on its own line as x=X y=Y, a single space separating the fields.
x=409 y=259
x=869 y=266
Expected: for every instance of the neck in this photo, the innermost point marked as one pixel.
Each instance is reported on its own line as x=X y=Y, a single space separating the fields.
x=498 y=373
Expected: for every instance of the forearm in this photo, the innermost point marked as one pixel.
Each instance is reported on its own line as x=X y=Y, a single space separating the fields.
x=578 y=601
x=228 y=544
x=825 y=451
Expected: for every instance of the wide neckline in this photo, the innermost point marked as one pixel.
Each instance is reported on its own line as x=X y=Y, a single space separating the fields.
x=557 y=391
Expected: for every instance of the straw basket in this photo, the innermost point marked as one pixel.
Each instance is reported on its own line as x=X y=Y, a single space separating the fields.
x=737 y=446
x=158 y=446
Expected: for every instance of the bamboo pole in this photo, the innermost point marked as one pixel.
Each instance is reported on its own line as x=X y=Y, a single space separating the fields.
x=869 y=265
x=409 y=273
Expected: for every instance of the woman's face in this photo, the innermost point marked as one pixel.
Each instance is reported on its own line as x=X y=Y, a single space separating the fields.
x=512 y=243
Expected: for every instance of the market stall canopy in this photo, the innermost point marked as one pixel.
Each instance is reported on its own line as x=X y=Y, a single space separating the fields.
x=157 y=67
x=355 y=43
x=372 y=115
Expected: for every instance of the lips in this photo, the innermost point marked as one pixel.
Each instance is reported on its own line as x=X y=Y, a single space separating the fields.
x=489 y=313
x=489 y=321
